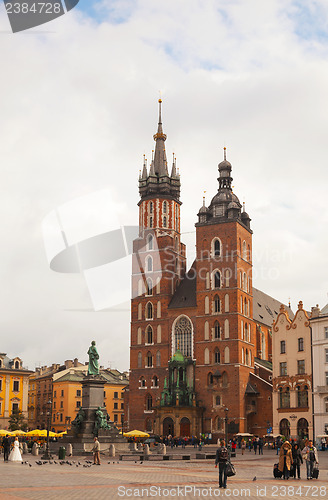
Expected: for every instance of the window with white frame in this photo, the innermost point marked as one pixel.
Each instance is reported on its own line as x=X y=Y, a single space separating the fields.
x=216 y=304
x=182 y=332
x=149 y=264
x=150 y=242
x=149 y=311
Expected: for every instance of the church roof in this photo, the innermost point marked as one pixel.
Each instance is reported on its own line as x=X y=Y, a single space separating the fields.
x=185 y=294
x=266 y=308
x=324 y=310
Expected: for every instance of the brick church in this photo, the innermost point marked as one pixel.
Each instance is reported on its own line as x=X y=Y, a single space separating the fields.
x=201 y=339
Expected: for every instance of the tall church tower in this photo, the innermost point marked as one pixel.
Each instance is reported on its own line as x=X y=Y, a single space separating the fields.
x=159 y=261
x=225 y=332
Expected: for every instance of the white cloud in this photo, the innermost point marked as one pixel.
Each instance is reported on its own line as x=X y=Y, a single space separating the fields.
x=78 y=110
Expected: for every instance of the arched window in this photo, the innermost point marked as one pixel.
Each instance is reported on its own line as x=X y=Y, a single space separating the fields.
x=246 y=332
x=210 y=379
x=164 y=221
x=150 y=222
x=250 y=358
x=302 y=397
x=244 y=250
x=150 y=207
x=17 y=365
x=158 y=358
x=216 y=304
x=217 y=357
x=149 y=310
x=176 y=244
x=159 y=334
x=139 y=360
x=243 y=356
x=149 y=264
x=149 y=359
x=182 y=332
x=140 y=287
x=150 y=242
x=217 y=330
x=158 y=286
x=155 y=381
x=206 y=356
x=217 y=279
x=247 y=357
x=149 y=402
x=206 y=331
x=284 y=427
x=142 y=382
x=284 y=397
x=303 y=428
x=249 y=253
x=139 y=336
x=244 y=282
x=242 y=330
x=225 y=380
x=226 y=303
x=217 y=248
x=226 y=329
x=226 y=355
x=159 y=309
x=140 y=311
x=245 y=307
x=149 y=335
x=228 y=275
x=149 y=286
x=164 y=207
x=249 y=333
x=207 y=281
x=239 y=246
x=241 y=305
x=219 y=423
x=217 y=400
x=207 y=305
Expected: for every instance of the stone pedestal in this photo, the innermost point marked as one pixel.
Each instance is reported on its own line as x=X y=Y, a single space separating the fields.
x=83 y=440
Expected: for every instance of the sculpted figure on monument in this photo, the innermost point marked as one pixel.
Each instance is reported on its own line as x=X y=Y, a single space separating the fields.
x=93 y=367
x=78 y=420
x=100 y=421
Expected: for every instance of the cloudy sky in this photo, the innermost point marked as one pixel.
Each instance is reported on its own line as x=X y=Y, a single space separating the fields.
x=78 y=111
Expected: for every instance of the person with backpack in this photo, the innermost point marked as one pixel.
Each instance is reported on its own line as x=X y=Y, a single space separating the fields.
x=297 y=460
x=310 y=456
x=222 y=459
x=285 y=459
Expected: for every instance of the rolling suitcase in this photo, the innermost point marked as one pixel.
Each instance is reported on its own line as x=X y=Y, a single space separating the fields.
x=276 y=472
x=315 y=472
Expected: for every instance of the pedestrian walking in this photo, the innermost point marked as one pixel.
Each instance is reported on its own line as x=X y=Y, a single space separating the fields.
x=297 y=461
x=96 y=452
x=285 y=459
x=310 y=455
x=260 y=443
x=222 y=459
x=6 y=447
x=255 y=445
x=243 y=446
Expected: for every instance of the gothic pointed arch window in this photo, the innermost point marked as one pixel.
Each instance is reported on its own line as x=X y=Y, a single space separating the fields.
x=207 y=305
x=149 y=310
x=225 y=380
x=139 y=336
x=216 y=304
x=206 y=331
x=226 y=303
x=216 y=279
x=164 y=221
x=149 y=264
x=142 y=382
x=206 y=356
x=244 y=250
x=140 y=311
x=183 y=336
x=158 y=358
x=226 y=354
x=164 y=207
x=226 y=329
x=151 y=206
x=302 y=397
x=149 y=286
x=155 y=381
x=246 y=332
x=217 y=400
x=149 y=359
x=139 y=360
x=217 y=356
x=242 y=356
x=150 y=222
x=159 y=334
x=217 y=330
x=244 y=282
x=210 y=379
x=149 y=334
x=216 y=247
x=150 y=242
x=149 y=402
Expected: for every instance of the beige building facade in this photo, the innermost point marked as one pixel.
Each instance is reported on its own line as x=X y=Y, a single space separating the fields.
x=292 y=375
x=319 y=326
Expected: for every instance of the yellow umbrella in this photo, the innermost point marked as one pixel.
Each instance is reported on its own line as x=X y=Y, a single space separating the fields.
x=61 y=434
x=3 y=432
x=18 y=432
x=35 y=432
x=136 y=433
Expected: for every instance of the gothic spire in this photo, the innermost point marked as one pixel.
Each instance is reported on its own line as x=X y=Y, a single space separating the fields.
x=160 y=162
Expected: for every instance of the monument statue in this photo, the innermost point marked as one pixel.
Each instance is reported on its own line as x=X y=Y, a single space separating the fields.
x=78 y=420
x=100 y=421
x=93 y=367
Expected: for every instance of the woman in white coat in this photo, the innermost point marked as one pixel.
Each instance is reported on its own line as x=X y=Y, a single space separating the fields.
x=15 y=454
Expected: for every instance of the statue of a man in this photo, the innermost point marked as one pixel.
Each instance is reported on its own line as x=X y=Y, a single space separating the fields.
x=93 y=367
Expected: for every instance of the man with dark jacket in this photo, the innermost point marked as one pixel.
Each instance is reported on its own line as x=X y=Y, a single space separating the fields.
x=222 y=459
x=6 y=447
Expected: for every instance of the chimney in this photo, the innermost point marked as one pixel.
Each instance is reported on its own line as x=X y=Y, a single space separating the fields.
x=76 y=362
x=315 y=311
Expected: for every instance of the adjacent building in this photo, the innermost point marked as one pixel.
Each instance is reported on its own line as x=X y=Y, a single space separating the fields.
x=201 y=350
x=292 y=375
x=13 y=388
x=319 y=326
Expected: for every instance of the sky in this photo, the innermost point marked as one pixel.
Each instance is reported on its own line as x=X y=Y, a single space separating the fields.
x=79 y=109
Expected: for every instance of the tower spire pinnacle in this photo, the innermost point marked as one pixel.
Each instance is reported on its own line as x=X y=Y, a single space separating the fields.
x=160 y=162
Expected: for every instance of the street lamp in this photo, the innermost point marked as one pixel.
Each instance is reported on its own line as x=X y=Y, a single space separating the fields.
x=122 y=422
x=47 y=455
x=226 y=424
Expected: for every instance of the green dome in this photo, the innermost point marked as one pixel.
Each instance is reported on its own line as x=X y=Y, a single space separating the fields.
x=178 y=356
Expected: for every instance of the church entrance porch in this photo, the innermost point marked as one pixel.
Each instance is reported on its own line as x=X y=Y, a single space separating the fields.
x=168 y=427
x=185 y=427
x=178 y=421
